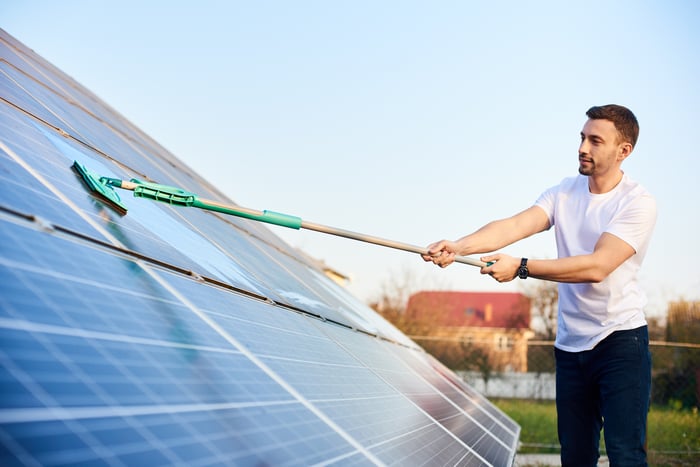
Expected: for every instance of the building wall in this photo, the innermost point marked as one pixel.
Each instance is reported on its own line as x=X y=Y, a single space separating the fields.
x=541 y=386
x=506 y=348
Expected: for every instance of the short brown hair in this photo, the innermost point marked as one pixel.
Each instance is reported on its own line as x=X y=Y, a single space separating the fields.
x=624 y=120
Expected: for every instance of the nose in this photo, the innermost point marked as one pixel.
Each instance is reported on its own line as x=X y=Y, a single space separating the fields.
x=583 y=147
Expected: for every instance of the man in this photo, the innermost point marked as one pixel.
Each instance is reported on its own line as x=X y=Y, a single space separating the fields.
x=603 y=222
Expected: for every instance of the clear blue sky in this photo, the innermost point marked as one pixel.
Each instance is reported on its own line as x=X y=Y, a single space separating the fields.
x=408 y=120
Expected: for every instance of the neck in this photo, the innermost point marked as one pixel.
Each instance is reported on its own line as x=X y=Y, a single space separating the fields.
x=600 y=185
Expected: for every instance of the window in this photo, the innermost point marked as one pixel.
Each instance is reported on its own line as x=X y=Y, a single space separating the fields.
x=504 y=342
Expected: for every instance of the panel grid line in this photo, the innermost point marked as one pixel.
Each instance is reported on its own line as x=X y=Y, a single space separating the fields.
x=234 y=342
x=184 y=337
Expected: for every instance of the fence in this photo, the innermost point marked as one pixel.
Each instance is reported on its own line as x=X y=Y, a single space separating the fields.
x=675 y=370
x=675 y=388
x=511 y=385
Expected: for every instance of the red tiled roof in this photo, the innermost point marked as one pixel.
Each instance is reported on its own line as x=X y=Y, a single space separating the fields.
x=480 y=309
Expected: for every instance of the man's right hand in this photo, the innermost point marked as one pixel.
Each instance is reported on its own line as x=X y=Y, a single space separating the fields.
x=441 y=253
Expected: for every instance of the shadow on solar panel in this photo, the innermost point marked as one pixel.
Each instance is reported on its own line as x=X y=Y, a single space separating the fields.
x=183 y=337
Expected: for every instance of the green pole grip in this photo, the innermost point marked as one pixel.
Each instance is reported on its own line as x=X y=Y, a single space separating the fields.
x=285 y=220
x=270 y=217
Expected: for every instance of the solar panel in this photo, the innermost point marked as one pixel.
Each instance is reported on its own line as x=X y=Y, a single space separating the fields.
x=175 y=336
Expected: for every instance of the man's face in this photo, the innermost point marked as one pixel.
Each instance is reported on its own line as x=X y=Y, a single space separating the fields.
x=599 y=149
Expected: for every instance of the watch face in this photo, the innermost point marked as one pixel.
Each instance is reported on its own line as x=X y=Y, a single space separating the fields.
x=522 y=270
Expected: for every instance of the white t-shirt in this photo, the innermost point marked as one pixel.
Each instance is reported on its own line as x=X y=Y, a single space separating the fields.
x=588 y=313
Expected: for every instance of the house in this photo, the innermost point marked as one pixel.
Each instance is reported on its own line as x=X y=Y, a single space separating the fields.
x=498 y=323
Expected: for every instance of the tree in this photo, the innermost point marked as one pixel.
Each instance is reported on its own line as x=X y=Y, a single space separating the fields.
x=477 y=358
x=677 y=367
x=683 y=322
x=392 y=300
x=544 y=299
x=657 y=328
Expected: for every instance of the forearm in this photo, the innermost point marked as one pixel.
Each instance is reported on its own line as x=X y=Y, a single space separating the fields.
x=501 y=233
x=574 y=269
x=491 y=237
x=609 y=253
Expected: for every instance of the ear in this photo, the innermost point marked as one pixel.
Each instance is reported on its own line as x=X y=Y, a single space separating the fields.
x=624 y=150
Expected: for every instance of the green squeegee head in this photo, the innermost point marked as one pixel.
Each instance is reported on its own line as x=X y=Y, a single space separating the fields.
x=104 y=192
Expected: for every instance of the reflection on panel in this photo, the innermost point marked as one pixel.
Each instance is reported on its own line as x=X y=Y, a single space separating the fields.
x=172 y=336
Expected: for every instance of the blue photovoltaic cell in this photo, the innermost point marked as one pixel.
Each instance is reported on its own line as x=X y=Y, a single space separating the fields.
x=95 y=368
x=175 y=336
x=422 y=388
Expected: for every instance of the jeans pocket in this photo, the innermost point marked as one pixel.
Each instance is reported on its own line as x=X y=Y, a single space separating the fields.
x=628 y=345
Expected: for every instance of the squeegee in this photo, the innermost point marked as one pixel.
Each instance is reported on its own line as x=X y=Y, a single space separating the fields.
x=104 y=188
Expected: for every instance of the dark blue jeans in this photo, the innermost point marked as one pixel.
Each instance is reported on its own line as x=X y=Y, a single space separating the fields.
x=606 y=387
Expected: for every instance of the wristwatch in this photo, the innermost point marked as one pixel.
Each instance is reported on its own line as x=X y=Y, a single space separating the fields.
x=522 y=270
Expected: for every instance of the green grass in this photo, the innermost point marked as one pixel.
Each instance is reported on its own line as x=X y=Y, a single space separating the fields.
x=673 y=434
x=538 y=423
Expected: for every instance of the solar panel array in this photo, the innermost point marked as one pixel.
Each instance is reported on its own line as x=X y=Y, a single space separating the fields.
x=175 y=336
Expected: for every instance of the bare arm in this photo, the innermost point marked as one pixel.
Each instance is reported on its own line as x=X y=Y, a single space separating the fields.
x=501 y=233
x=609 y=253
x=491 y=237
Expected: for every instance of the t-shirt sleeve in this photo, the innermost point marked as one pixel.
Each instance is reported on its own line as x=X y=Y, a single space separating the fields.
x=635 y=223
x=546 y=201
